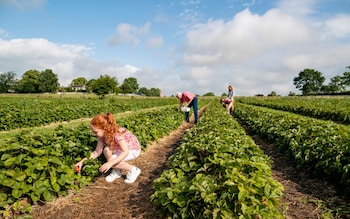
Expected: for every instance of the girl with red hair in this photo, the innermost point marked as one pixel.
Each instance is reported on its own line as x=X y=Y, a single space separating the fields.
x=118 y=145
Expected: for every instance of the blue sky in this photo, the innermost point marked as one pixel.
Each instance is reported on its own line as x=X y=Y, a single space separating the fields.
x=202 y=46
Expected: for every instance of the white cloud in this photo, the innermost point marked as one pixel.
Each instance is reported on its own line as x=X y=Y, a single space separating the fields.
x=155 y=41
x=338 y=26
x=68 y=61
x=126 y=33
x=263 y=53
x=245 y=36
x=298 y=7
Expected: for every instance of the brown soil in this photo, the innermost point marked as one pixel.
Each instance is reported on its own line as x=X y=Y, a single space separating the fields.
x=302 y=195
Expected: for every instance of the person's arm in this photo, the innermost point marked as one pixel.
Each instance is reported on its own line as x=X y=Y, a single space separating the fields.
x=98 y=150
x=109 y=164
x=179 y=109
x=190 y=101
x=96 y=153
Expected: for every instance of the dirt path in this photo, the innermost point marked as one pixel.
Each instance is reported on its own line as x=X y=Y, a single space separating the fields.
x=304 y=197
x=119 y=200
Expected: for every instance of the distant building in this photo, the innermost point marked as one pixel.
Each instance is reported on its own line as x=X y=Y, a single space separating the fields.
x=78 y=87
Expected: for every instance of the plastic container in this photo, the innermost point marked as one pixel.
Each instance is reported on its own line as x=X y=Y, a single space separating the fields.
x=185 y=109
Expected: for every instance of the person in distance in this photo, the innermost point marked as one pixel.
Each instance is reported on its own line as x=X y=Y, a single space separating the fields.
x=118 y=145
x=191 y=100
x=229 y=100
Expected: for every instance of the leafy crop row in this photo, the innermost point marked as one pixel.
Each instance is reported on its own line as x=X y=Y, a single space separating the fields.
x=335 y=109
x=21 y=112
x=37 y=167
x=217 y=172
x=322 y=147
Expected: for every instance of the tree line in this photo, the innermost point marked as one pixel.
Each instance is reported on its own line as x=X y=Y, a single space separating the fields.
x=309 y=82
x=33 y=81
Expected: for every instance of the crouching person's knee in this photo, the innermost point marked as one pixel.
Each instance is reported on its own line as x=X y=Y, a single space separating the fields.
x=107 y=153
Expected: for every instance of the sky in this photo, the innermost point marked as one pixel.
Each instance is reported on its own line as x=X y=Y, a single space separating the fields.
x=202 y=46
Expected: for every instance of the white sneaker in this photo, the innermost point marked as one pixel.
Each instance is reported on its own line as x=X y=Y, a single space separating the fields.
x=132 y=175
x=115 y=174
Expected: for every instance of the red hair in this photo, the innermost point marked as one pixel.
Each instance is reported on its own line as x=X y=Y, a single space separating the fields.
x=107 y=123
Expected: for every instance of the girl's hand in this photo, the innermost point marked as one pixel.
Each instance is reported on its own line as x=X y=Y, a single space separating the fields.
x=105 y=167
x=79 y=165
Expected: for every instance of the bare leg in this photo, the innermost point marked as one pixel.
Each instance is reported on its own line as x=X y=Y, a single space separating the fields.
x=121 y=165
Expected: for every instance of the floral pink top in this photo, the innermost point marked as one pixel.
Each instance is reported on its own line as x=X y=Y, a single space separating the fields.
x=130 y=139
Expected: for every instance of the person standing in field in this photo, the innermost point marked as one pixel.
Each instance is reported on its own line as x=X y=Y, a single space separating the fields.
x=192 y=101
x=118 y=145
x=230 y=97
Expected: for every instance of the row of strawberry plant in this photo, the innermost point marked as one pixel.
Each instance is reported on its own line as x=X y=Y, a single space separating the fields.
x=217 y=172
x=322 y=147
x=21 y=112
x=37 y=167
x=335 y=109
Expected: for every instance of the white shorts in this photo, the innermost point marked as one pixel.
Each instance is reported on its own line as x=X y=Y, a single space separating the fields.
x=133 y=154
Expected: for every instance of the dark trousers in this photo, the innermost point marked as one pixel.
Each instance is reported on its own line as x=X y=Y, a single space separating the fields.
x=194 y=105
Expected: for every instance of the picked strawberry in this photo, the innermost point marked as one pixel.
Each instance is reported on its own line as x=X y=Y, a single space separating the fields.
x=77 y=169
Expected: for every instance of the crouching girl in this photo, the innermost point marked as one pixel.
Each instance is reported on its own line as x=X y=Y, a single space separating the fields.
x=118 y=145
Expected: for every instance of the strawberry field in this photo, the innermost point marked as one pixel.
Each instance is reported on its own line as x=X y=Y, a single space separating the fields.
x=215 y=171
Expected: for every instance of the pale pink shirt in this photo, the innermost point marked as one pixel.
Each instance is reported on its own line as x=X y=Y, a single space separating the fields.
x=186 y=97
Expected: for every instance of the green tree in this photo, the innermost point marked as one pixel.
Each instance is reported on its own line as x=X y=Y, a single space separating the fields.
x=209 y=94
x=346 y=78
x=29 y=82
x=7 y=81
x=48 y=81
x=129 y=85
x=79 y=81
x=153 y=92
x=104 y=85
x=335 y=85
x=144 y=91
x=126 y=88
x=309 y=81
x=273 y=93
x=89 y=85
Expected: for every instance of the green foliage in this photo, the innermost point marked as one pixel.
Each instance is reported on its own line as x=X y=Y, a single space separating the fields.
x=217 y=172
x=40 y=167
x=153 y=92
x=79 y=81
x=22 y=111
x=209 y=94
x=7 y=81
x=309 y=81
x=104 y=85
x=129 y=85
x=321 y=108
x=37 y=167
x=322 y=147
x=29 y=82
x=48 y=81
x=34 y=81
